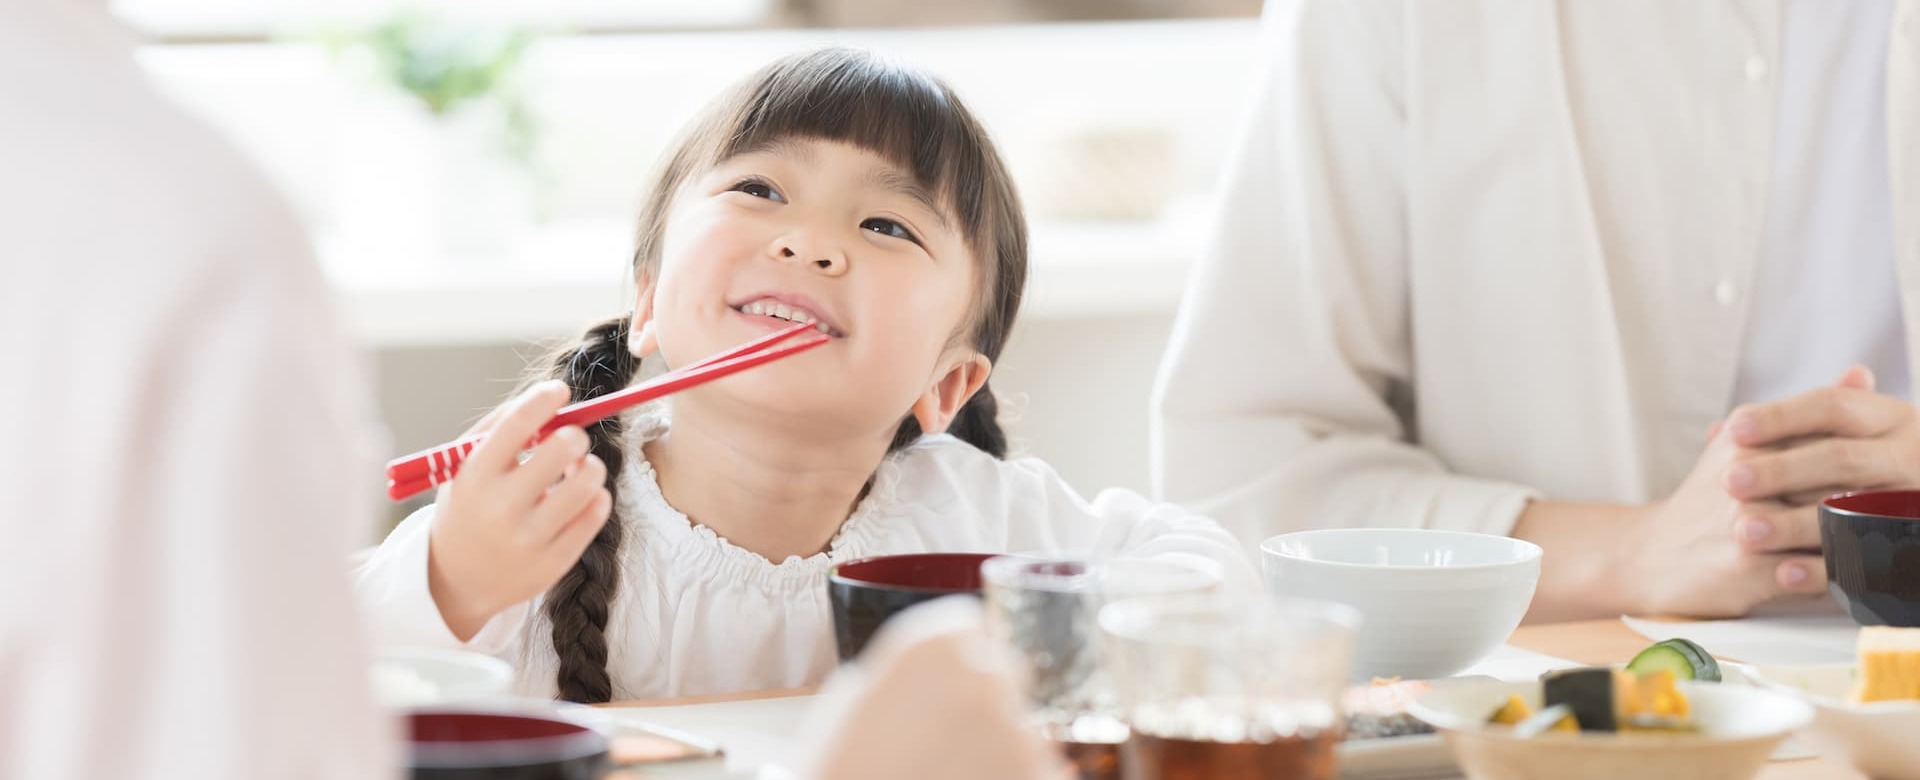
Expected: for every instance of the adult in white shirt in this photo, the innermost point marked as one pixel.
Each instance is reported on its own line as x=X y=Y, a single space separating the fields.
x=180 y=489
x=1498 y=266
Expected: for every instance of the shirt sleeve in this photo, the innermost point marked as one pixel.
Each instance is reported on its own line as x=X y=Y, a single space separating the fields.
x=1044 y=513
x=1277 y=404
x=399 y=607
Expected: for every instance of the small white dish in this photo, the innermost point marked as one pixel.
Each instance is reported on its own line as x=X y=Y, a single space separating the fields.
x=1739 y=727
x=1878 y=738
x=1433 y=603
x=405 y=677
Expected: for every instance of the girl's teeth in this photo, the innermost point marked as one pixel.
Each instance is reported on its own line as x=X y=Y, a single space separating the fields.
x=782 y=311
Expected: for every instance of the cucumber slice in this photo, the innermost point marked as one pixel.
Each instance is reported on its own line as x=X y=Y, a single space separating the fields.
x=1685 y=659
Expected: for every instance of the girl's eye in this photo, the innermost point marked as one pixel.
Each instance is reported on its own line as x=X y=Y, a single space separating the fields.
x=888 y=227
x=759 y=189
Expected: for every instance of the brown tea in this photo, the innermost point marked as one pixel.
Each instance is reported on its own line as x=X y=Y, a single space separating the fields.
x=1151 y=757
x=1093 y=760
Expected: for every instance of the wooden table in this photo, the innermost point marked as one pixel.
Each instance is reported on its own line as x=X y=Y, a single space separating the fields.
x=1591 y=642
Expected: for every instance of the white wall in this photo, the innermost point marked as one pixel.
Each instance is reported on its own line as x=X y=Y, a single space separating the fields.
x=1077 y=392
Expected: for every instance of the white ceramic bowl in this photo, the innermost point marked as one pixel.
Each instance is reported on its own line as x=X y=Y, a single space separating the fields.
x=1878 y=738
x=1739 y=727
x=1433 y=602
x=417 y=677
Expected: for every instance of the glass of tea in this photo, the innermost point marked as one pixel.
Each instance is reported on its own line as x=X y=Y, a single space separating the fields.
x=1230 y=688
x=1046 y=608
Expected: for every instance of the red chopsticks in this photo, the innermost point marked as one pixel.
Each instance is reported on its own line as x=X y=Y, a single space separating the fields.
x=413 y=474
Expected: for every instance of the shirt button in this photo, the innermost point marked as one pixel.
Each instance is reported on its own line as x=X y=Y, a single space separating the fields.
x=1756 y=69
x=1725 y=294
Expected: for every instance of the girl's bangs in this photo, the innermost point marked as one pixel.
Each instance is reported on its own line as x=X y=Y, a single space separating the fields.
x=852 y=98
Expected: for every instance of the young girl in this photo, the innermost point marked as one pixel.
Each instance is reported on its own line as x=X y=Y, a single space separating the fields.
x=684 y=549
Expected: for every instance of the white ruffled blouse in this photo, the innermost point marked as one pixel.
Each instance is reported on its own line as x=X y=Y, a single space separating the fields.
x=696 y=615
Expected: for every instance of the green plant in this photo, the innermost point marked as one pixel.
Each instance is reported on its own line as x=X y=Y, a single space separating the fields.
x=449 y=66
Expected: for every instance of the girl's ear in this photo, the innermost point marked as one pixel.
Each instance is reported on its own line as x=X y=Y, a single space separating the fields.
x=936 y=408
x=641 y=342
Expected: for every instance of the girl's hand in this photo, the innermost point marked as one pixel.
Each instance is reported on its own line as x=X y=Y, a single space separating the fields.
x=506 y=528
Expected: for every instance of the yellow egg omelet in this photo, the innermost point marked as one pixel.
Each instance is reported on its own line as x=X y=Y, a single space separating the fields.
x=1889 y=664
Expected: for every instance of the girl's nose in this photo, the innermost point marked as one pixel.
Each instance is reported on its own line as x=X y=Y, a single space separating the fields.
x=829 y=262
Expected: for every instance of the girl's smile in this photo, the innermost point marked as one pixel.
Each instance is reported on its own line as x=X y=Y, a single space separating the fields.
x=827 y=233
x=777 y=310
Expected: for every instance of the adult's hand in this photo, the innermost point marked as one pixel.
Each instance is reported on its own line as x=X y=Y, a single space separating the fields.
x=1675 y=556
x=1794 y=451
x=1690 y=559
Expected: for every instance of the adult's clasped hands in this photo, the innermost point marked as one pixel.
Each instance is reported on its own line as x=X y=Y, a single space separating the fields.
x=1743 y=527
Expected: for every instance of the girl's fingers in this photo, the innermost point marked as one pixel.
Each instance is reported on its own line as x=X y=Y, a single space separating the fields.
x=573 y=536
x=563 y=501
x=549 y=462
x=486 y=421
x=519 y=420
